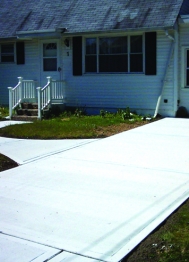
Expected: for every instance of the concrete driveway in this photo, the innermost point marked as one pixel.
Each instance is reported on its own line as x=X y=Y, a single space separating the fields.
x=96 y=201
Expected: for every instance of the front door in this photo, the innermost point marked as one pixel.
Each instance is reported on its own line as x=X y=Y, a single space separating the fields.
x=50 y=61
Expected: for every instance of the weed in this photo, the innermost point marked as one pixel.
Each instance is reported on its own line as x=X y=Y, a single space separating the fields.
x=103 y=113
x=4 y=111
x=79 y=112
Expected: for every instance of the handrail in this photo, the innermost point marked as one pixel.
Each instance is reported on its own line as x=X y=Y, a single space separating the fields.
x=15 y=96
x=25 y=89
x=44 y=96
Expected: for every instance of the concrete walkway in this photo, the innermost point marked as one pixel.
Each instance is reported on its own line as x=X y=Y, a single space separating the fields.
x=96 y=201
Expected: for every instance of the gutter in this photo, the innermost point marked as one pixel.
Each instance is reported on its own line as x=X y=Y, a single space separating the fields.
x=55 y=30
x=36 y=33
x=118 y=31
x=2 y=39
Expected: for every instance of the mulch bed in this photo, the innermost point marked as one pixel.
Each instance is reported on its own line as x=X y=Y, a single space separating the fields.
x=6 y=163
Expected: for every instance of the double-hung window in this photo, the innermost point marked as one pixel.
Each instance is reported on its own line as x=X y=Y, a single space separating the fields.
x=114 y=54
x=91 y=55
x=187 y=68
x=12 y=53
x=7 y=53
x=136 y=54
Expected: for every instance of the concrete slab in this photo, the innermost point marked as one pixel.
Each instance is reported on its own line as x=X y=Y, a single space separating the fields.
x=11 y=122
x=24 y=151
x=100 y=200
x=68 y=257
x=18 y=250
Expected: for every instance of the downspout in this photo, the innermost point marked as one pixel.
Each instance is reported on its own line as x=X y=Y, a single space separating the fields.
x=176 y=57
x=166 y=70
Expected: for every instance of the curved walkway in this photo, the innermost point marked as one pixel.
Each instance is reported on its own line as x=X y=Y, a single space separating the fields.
x=91 y=200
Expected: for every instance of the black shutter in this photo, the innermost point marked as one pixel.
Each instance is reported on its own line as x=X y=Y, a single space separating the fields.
x=20 y=53
x=150 y=53
x=77 y=56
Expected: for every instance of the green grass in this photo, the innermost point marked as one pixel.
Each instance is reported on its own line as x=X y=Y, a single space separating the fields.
x=168 y=243
x=65 y=127
x=176 y=238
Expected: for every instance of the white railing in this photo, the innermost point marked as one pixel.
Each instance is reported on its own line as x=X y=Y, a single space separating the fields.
x=57 y=89
x=52 y=91
x=28 y=89
x=44 y=96
x=25 y=89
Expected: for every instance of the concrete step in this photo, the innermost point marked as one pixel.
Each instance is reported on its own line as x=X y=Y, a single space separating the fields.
x=27 y=112
x=24 y=118
x=27 y=105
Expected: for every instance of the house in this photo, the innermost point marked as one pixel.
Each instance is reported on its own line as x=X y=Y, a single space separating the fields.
x=107 y=54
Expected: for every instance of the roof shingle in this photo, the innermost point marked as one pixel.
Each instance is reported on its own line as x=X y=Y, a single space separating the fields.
x=86 y=15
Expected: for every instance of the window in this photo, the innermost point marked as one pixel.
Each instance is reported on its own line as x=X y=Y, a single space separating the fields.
x=129 y=54
x=114 y=54
x=91 y=58
x=136 y=56
x=7 y=53
x=187 y=68
x=50 y=57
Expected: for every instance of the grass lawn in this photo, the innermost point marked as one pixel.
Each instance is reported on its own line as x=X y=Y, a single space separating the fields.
x=170 y=241
x=72 y=127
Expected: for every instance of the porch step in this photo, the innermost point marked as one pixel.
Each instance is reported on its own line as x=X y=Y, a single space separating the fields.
x=27 y=112
x=26 y=105
x=24 y=118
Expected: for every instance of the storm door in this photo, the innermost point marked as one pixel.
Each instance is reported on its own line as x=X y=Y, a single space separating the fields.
x=50 y=61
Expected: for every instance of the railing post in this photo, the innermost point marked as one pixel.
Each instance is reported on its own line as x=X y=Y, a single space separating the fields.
x=39 y=102
x=49 y=82
x=20 y=79
x=10 y=102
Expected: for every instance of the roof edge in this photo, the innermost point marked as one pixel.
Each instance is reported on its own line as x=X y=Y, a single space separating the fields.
x=142 y=29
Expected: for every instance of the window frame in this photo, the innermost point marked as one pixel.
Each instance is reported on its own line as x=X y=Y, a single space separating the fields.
x=184 y=68
x=10 y=54
x=49 y=57
x=128 y=54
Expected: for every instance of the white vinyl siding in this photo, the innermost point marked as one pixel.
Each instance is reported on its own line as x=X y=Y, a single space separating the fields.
x=10 y=71
x=100 y=91
x=138 y=91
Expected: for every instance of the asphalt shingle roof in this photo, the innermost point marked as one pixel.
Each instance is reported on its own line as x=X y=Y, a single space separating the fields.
x=86 y=15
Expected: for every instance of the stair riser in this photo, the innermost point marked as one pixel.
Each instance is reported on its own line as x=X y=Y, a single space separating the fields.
x=24 y=118
x=27 y=112
x=29 y=105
